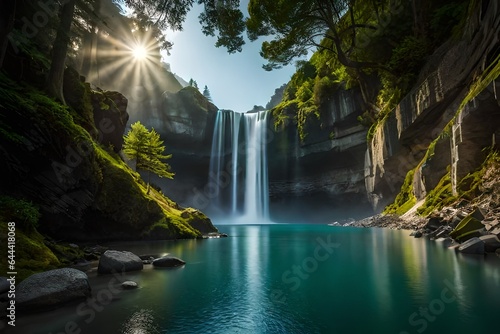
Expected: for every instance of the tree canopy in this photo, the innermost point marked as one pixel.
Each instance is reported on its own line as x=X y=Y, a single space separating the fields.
x=219 y=18
x=295 y=26
x=206 y=93
x=147 y=149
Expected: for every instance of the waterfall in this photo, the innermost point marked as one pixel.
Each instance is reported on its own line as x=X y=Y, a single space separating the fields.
x=238 y=167
x=218 y=154
x=256 y=183
x=234 y=159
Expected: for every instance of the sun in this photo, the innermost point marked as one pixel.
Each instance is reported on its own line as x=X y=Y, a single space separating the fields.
x=139 y=52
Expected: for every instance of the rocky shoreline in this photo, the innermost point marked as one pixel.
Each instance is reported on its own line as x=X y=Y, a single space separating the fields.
x=56 y=288
x=468 y=229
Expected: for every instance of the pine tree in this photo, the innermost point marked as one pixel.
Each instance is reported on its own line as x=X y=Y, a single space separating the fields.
x=147 y=149
x=206 y=93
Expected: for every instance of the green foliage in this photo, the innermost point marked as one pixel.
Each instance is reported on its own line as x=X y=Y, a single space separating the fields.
x=9 y=135
x=206 y=93
x=155 y=156
x=489 y=74
x=77 y=94
x=22 y=212
x=281 y=113
x=438 y=197
x=192 y=98
x=172 y=227
x=406 y=199
x=344 y=76
x=227 y=20
x=26 y=104
x=366 y=119
x=146 y=148
x=471 y=185
x=37 y=57
x=293 y=27
x=448 y=18
x=32 y=255
x=469 y=227
x=125 y=198
x=323 y=86
x=408 y=56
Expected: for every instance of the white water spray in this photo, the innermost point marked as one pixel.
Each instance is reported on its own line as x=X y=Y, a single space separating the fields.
x=238 y=166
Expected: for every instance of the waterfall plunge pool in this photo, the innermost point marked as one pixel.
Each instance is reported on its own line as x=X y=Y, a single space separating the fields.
x=288 y=278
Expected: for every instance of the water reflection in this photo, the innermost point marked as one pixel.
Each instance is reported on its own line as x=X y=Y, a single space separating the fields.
x=374 y=282
x=141 y=322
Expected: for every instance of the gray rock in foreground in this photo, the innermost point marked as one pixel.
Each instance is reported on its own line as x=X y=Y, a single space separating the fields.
x=129 y=285
x=51 y=289
x=117 y=261
x=472 y=246
x=491 y=243
x=168 y=262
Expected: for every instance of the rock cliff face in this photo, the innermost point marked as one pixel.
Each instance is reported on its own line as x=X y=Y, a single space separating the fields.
x=335 y=172
x=318 y=179
x=435 y=112
x=84 y=191
x=322 y=175
x=185 y=120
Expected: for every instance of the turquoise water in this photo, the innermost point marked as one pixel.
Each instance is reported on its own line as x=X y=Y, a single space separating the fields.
x=293 y=279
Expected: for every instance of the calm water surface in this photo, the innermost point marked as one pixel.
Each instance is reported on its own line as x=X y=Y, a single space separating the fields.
x=293 y=279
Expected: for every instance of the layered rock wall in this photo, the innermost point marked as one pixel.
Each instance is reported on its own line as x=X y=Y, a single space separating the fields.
x=400 y=142
x=321 y=178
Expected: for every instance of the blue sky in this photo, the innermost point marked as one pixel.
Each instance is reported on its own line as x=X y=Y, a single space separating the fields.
x=236 y=81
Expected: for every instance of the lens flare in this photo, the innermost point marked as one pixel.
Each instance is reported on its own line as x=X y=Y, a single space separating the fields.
x=139 y=52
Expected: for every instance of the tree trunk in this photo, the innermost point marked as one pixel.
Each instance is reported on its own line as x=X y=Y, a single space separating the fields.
x=149 y=179
x=7 y=16
x=419 y=9
x=60 y=50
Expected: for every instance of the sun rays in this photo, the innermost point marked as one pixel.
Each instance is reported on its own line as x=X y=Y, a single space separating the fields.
x=126 y=60
x=139 y=52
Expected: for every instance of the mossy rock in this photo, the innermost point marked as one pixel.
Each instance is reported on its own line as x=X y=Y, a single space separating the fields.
x=468 y=228
x=77 y=96
x=198 y=220
x=170 y=228
x=32 y=255
x=438 y=197
x=405 y=199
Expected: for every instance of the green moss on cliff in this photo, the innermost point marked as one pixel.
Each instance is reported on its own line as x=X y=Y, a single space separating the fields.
x=32 y=255
x=77 y=95
x=406 y=199
x=438 y=197
x=37 y=132
x=123 y=198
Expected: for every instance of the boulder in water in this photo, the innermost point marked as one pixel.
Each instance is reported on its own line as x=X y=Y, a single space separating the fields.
x=118 y=261
x=51 y=289
x=472 y=246
x=129 y=285
x=491 y=243
x=168 y=262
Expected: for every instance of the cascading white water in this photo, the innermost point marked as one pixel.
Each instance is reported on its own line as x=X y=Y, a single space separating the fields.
x=238 y=166
x=256 y=183
x=217 y=157
x=234 y=170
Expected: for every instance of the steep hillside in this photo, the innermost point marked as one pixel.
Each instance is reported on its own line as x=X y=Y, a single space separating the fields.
x=61 y=175
x=353 y=138
x=444 y=129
